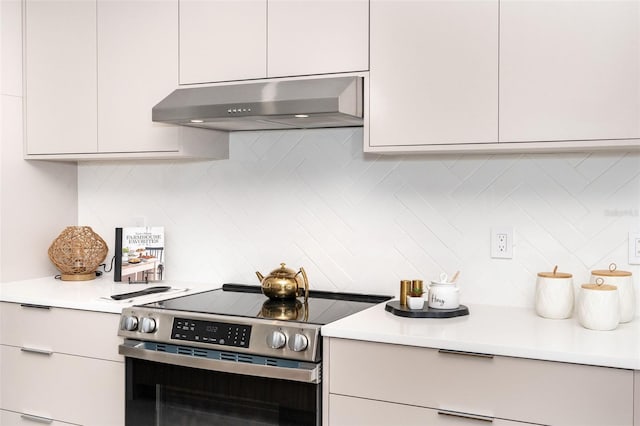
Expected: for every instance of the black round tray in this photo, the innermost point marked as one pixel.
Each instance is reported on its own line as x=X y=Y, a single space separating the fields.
x=426 y=312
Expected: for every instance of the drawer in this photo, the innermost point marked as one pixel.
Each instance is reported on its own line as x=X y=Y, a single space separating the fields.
x=350 y=411
x=63 y=387
x=69 y=331
x=9 y=418
x=510 y=388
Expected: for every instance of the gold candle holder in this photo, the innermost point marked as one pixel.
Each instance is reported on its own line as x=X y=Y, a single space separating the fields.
x=405 y=287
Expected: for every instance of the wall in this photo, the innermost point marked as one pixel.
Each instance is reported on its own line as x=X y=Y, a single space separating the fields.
x=37 y=199
x=362 y=222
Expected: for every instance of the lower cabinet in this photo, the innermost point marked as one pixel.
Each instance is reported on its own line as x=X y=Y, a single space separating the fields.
x=60 y=366
x=636 y=393
x=406 y=382
x=350 y=411
x=10 y=418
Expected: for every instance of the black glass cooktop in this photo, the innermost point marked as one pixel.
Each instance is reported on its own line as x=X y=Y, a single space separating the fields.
x=248 y=301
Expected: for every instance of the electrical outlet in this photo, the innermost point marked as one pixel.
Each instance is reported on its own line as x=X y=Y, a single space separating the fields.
x=502 y=243
x=634 y=248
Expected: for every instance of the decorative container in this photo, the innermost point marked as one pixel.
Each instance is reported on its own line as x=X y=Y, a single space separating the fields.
x=554 y=294
x=624 y=281
x=599 y=306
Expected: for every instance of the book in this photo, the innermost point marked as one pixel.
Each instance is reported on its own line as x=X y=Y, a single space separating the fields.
x=139 y=254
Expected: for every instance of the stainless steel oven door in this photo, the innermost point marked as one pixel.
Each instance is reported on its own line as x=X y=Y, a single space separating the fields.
x=182 y=385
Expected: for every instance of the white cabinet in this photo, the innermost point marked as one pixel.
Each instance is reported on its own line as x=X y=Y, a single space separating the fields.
x=92 y=81
x=222 y=40
x=569 y=70
x=137 y=68
x=516 y=389
x=317 y=37
x=10 y=418
x=60 y=365
x=434 y=73
x=60 y=76
x=231 y=40
x=504 y=75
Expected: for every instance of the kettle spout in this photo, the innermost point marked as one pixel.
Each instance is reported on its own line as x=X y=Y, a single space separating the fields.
x=260 y=277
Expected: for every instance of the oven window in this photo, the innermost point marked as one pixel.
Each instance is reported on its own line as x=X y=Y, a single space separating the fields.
x=162 y=394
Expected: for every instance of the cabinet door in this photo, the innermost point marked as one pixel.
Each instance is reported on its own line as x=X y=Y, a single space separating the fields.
x=11 y=418
x=222 y=40
x=317 y=37
x=60 y=76
x=137 y=68
x=569 y=70
x=48 y=329
x=348 y=411
x=433 y=73
x=509 y=388
x=67 y=388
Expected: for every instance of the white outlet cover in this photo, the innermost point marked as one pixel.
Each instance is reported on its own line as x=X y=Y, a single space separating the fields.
x=634 y=248
x=498 y=235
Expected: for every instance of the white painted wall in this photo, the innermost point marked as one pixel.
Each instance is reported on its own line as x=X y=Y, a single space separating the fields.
x=361 y=222
x=37 y=199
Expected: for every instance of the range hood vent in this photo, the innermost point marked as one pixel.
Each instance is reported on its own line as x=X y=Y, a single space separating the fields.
x=291 y=104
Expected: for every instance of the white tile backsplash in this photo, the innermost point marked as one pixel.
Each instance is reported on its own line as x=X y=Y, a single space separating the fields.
x=361 y=222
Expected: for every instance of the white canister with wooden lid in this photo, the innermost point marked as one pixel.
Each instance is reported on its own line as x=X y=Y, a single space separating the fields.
x=554 y=294
x=624 y=281
x=598 y=306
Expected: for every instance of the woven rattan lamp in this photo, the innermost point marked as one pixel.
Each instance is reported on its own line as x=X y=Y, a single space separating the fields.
x=77 y=253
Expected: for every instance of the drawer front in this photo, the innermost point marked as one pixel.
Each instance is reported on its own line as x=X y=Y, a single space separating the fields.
x=511 y=388
x=62 y=387
x=69 y=331
x=9 y=418
x=350 y=411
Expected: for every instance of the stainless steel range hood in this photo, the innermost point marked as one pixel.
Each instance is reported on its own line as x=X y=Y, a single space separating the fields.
x=291 y=104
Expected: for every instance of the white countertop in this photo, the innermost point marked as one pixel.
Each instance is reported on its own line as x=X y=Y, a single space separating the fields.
x=91 y=295
x=499 y=330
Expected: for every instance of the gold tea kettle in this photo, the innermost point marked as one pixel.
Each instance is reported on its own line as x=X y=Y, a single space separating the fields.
x=284 y=283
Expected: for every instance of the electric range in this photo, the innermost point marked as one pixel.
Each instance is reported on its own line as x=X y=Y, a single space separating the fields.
x=229 y=355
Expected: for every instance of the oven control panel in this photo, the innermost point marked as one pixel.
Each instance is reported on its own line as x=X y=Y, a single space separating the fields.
x=219 y=333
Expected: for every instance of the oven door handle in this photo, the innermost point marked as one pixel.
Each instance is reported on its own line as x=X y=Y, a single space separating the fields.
x=306 y=372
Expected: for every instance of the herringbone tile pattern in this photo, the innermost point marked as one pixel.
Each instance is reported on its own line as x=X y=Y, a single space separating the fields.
x=361 y=222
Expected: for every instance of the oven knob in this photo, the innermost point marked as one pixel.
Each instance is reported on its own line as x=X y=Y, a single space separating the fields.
x=298 y=342
x=130 y=323
x=147 y=325
x=276 y=339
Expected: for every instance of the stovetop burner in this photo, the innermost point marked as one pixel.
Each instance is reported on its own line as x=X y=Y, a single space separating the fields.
x=248 y=301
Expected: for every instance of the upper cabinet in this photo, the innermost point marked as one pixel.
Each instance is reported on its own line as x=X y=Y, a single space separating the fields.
x=434 y=73
x=222 y=40
x=232 y=40
x=491 y=75
x=317 y=37
x=60 y=76
x=569 y=70
x=92 y=81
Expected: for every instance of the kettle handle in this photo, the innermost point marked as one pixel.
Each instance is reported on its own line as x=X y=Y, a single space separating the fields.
x=306 y=284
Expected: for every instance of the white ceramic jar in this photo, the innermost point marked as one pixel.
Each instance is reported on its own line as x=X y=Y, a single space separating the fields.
x=554 y=294
x=624 y=281
x=598 y=306
x=444 y=295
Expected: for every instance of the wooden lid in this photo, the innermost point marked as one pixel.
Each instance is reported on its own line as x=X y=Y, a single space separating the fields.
x=605 y=273
x=554 y=274
x=611 y=272
x=602 y=287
